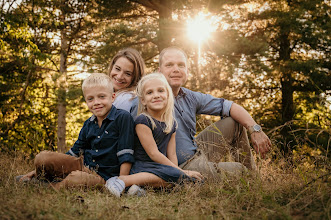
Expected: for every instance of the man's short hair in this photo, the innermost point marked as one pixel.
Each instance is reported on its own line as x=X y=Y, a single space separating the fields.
x=168 y=49
x=98 y=79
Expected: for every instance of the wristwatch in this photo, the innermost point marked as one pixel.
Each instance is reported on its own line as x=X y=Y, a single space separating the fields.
x=254 y=128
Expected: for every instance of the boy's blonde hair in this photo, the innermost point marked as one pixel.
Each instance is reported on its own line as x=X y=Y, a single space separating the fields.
x=98 y=79
x=168 y=114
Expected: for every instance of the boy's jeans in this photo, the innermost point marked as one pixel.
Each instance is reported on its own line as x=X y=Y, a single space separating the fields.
x=70 y=169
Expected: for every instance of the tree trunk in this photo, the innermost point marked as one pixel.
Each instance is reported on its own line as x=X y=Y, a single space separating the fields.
x=62 y=80
x=165 y=18
x=287 y=97
x=286 y=80
x=164 y=9
x=287 y=89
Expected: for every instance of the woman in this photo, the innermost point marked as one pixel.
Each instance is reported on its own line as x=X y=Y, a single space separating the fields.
x=126 y=69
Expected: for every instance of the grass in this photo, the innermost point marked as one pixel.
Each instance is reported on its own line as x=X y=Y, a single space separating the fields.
x=278 y=191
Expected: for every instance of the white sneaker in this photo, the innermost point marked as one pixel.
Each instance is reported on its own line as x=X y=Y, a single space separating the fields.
x=135 y=190
x=115 y=186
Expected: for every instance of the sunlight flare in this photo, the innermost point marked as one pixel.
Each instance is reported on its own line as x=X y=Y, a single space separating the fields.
x=200 y=28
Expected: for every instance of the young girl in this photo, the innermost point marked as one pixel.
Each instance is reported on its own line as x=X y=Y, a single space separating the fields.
x=126 y=69
x=155 y=149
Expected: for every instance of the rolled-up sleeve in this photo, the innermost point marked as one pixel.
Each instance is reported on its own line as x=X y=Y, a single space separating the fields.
x=126 y=139
x=210 y=105
x=226 y=107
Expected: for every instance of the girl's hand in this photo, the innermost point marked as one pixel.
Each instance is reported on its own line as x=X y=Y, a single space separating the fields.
x=193 y=174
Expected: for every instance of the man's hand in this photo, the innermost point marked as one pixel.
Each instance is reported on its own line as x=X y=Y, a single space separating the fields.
x=261 y=143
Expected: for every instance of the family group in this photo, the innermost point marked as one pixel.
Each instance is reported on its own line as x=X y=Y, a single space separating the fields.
x=143 y=131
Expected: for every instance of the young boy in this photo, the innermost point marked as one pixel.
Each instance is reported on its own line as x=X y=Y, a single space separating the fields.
x=106 y=143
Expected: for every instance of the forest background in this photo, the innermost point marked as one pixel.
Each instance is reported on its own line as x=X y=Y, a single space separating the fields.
x=272 y=57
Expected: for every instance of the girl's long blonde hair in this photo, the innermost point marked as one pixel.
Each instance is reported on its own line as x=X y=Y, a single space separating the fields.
x=168 y=114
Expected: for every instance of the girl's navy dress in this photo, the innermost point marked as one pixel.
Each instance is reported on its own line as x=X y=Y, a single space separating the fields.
x=144 y=163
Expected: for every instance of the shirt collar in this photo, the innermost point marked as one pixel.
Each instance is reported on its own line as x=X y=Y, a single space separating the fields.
x=181 y=92
x=110 y=116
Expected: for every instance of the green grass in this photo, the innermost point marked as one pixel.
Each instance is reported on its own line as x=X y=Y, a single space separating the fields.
x=278 y=191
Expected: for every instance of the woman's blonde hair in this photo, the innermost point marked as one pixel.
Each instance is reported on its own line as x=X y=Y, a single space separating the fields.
x=168 y=114
x=138 y=65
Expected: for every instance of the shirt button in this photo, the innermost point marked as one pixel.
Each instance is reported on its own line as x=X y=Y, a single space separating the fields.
x=96 y=150
x=98 y=136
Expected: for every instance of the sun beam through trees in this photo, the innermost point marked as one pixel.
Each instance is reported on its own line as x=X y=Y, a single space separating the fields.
x=283 y=56
x=272 y=57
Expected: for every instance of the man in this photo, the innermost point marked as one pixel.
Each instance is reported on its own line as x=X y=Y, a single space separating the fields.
x=174 y=66
x=227 y=137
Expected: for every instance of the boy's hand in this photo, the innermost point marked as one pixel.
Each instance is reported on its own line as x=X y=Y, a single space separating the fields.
x=28 y=176
x=193 y=174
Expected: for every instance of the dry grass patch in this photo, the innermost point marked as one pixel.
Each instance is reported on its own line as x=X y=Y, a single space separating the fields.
x=278 y=191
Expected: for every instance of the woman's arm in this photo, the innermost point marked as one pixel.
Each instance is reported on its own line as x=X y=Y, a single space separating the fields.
x=171 y=150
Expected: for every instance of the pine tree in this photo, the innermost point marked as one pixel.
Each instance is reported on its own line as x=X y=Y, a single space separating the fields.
x=296 y=64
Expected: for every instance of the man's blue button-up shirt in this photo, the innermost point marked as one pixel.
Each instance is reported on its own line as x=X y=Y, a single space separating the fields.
x=105 y=148
x=188 y=104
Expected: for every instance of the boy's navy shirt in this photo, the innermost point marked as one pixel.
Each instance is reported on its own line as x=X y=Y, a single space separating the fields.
x=105 y=148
